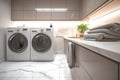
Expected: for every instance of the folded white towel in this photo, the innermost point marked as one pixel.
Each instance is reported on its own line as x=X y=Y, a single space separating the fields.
x=100 y=36
x=114 y=27
x=106 y=31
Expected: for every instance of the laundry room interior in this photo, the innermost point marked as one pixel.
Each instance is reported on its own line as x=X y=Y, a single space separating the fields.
x=60 y=40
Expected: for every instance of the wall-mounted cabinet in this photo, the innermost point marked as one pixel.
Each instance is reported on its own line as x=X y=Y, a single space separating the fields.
x=43 y=4
x=76 y=9
x=58 y=15
x=88 y=6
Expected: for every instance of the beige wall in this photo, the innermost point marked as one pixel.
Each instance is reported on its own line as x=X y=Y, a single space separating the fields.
x=5 y=13
x=101 y=17
x=5 y=21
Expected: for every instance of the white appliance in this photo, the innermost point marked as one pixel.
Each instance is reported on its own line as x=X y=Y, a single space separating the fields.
x=18 y=44
x=42 y=44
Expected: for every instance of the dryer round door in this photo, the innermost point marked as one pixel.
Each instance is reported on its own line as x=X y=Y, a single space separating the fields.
x=18 y=43
x=41 y=42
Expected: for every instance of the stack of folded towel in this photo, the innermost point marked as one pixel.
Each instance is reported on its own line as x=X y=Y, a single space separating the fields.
x=105 y=32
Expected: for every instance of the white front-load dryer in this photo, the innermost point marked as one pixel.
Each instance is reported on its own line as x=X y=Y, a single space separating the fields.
x=18 y=44
x=42 y=44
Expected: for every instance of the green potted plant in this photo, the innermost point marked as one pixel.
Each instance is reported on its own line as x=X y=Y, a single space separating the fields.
x=82 y=28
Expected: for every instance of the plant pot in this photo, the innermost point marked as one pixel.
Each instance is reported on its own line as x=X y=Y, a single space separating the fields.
x=81 y=34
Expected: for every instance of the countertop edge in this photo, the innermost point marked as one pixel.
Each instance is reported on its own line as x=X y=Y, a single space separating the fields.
x=102 y=51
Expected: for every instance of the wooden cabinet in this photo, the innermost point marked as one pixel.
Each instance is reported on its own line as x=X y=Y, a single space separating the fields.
x=66 y=47
x=76 y=9
x=73 y=15
x=58 y=4
x=119 y=71
x=58 y=15
x=44 y=15
x=17 y=10
x=17 y=5
x=17 y=15
x=88 y=6
x=29 y=12
x=74 y=73
x=96 y=66
x=73 y=7
x=83 y=74
x=25 y=10
x=73 y=4
x=99 y=3
x=29 y=5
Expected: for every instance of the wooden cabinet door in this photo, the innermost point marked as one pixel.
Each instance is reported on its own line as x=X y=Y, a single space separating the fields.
x=44 y=4
x=73 y=15
x=58 y=4
x=66 y=47
x=73 y=7
x=75 y=75
x=17 y=5
x=29 y=5
x=73 y=4
x=98 y=3
x=97 y=66
x=119 y=71
x=29 y=14
x=17 y=10
x=44 y=15
x=82 y=73
x=88 y=6
x=17 y=15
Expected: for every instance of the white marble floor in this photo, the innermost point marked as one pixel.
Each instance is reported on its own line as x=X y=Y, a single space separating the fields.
x=56 y=70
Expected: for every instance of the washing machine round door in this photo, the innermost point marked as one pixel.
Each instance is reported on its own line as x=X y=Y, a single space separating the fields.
x=18 y=43
x=41 y=42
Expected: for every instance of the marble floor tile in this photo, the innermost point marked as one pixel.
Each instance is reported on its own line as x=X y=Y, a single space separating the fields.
x=56 y=70
x=24 y=78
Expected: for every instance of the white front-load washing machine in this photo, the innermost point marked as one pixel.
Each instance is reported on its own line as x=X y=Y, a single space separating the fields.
x=42 y=47
x=18 y=44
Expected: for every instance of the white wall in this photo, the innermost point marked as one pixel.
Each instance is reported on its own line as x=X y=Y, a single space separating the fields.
x=5 y=21
x=5 y=13
x=2 y=44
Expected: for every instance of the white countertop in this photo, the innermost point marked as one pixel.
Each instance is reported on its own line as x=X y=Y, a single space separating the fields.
x=107 y=49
